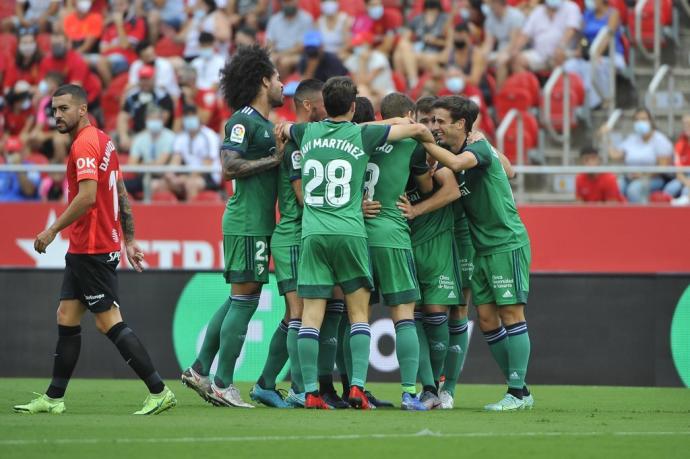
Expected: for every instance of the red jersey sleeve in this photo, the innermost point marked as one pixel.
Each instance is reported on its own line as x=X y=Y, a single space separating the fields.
x=86 y=155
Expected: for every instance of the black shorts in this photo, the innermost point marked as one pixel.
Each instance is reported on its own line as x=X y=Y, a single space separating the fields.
x=91 y=279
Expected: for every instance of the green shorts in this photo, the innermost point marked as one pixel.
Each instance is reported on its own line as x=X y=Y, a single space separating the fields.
x=246 y=258
x=438 y=271
x=395 y=276
x=466 y=259
x=327 y=260
x=502 y=278
x=285 y=260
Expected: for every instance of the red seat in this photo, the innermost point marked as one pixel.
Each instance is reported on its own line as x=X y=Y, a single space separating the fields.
x=511 y=97
x=647 y=27
x=577 y=99
x=400 y=82
x=207 y=196
x=529 y=138
x=163 y=196
x=660 y=197
x=527 y=81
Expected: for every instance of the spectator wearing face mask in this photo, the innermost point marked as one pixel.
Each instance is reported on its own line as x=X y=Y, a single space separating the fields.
x=163 y=69
x=197 y=145
x=152 y=146
x=335 y=26
x=19 y=111
x=470 y=60
x=382 y=23
x=25 y=66
x=72 y=66
x=646 y=146
x=36 y=13
x=211 y=109
x=284 y=34
x=132 y=116
x=502 y=26
x=204 y=16
x=17 y=186
x=422 y=41
x=209 y=63
x=318 y=63
x=369 y=68
x=43 y=136
x=551 y=29
x=164 y=17
x=83 y=27
x=249 y=13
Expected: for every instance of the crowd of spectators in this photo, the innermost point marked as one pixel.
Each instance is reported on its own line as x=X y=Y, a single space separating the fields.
x=150 y=69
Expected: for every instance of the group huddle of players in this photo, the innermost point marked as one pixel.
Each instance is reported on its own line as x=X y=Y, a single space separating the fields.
x=415 y=211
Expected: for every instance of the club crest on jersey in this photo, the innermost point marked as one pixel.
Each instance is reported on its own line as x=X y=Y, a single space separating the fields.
x=296 y=159
x=237 y=133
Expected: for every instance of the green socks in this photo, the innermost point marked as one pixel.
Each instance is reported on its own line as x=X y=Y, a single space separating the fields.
x=425 y=374
x=308 y=349
x=498 y=345
x=328 y=337
x=360 y=339
x=209 y=348
x=277 y=357
x=232 y=335
x=436 y=326
x=347 y=351
x=295 y=368
x=407 y=351
x=457 y=350
x=518 y=351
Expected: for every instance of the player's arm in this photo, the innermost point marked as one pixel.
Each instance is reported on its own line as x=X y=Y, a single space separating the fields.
x=416 y=131
x=297 y=188
x=82 y=202
x=235 y=166
x=134 y=253
x=505 y=162
x=456 y=163
x=448 y=193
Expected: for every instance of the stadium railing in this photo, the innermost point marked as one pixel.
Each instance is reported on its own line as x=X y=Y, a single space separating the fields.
x=652 y=100
x=520 y=169
x=655 y=54
x=611 y=54
x=547 y=120
x=500 y=143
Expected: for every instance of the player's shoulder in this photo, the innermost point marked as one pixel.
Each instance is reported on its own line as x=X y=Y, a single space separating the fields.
x=90 y=136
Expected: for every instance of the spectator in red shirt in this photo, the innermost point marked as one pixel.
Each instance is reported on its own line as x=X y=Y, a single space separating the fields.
x=596 y=187
x=680 y=186
x=83 y=27
x=122 y=32
x=72 y=66
x=383 y=23
x=210 y=108
x=25 y=66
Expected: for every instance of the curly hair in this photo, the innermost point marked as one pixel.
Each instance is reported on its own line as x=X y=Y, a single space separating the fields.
x=241 y=78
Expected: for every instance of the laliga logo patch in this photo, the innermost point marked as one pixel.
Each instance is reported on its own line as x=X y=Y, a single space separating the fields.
x=296 y=159
x=237 y=133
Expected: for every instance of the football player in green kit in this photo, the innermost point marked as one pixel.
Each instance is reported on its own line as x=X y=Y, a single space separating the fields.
x=252 y=87
x=335 y=153
x=500 y=278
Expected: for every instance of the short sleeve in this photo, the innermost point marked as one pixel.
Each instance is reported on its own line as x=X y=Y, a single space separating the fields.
x=574 y=17
x=418 y=164
x=297 y=132
x=530 y=25
x=482 y=151
x=663 y=146
x=292 y=161
x=86 y=156
x=373 y=136
x=237 y=132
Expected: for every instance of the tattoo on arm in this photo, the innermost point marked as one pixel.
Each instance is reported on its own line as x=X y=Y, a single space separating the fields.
x=126 y=217
x=234 y=166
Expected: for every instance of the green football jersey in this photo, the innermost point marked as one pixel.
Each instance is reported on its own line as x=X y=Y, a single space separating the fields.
x=460 y=224
x=432 y=224
x=494 y=222
x=250 y=211
x=288 y=231
x=386 y=179
x=334 y=160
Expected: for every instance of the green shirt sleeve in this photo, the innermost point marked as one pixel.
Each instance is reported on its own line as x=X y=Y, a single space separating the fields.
x=418 y=164
x=238 y=130
x=373 y=136
x=482 y=151
x=292 y=161
x=297 y=132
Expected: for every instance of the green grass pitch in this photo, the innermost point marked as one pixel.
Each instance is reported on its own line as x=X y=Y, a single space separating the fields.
x=567 y=421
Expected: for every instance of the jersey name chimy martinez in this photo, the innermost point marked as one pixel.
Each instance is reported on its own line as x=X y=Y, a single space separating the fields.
x=338 y=144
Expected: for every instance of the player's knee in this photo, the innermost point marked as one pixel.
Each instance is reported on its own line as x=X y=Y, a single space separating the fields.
x=511 y=315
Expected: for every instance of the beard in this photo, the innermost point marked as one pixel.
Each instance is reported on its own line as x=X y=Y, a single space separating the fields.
x=64 y=127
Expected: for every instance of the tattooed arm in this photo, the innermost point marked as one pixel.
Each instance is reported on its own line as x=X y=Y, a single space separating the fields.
x=235 y=166
x=134 y=252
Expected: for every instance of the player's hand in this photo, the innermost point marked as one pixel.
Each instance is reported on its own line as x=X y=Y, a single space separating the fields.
x=406 y=207
x=135 y=256
x=427 y=136
x=475 y=136
x=370 y=209
x=280 y=137
x=43 y=240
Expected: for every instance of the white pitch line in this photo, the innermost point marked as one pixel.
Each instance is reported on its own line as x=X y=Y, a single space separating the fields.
x=423 y=433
